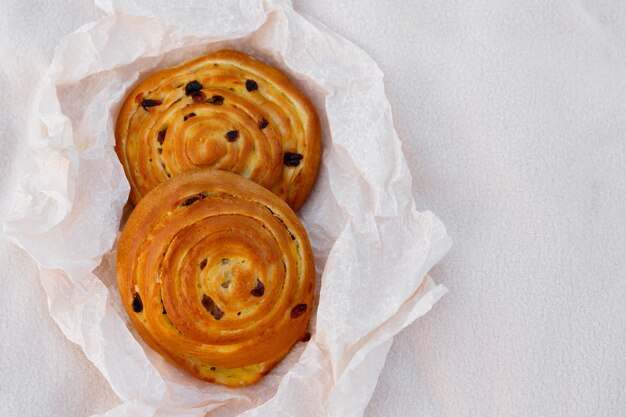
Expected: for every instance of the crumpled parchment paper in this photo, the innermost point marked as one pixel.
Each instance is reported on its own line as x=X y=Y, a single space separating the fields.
x=372 y=248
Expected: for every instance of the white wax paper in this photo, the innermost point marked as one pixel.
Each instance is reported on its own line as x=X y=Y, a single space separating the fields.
x=372 y=248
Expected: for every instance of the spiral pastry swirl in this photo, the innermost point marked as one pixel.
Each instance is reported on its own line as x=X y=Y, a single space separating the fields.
x=217 y=275
x=226 y=111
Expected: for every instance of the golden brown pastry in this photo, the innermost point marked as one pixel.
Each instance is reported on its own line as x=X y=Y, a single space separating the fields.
x=227 y=111
x=217 y=275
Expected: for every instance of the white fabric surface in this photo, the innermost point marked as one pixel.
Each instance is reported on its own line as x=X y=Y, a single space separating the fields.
x=512 y=116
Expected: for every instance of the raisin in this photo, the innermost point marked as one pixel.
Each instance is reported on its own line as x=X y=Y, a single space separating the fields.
x=198 y=96
x=210 y=306
x=192 y=87
x=161 y=136
x=306 y=337
x=259 y=289
x=232 y=135
x=145 y=103
x=298 y=310
x=292 y=159
x=187 y=116
x=251 y=85
x=202 y=264
x=216 y=99
x=213 y=368
x=190 y=201
x=263 y=123
x=137 y=303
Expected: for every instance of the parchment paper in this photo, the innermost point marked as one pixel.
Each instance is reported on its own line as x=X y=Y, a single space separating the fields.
x=372 y=248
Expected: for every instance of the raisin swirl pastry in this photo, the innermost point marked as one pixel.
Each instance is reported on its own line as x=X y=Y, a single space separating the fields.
x=217 y=275
x=227 y=111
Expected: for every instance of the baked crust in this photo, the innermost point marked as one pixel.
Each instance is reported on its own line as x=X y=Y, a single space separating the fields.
x=242 y=116
x=217 y=275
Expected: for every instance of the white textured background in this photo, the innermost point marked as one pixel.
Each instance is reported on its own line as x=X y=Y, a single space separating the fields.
x=513 y=118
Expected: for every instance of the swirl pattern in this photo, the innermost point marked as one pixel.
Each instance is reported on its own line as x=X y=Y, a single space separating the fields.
x=217 y=275
x=226 y=111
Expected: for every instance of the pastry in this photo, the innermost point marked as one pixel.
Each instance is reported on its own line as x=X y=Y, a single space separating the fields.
x=227 y=111
x=216 y=274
